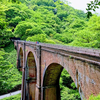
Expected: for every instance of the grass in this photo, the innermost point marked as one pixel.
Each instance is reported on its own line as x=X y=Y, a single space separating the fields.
x=15 y=97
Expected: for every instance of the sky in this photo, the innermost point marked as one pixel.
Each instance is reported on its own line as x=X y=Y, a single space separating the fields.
x=81 y=4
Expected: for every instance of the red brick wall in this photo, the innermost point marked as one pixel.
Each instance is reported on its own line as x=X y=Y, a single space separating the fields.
x=49 y=64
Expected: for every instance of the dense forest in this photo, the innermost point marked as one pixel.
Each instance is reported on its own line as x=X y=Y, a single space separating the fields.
x=47 y=21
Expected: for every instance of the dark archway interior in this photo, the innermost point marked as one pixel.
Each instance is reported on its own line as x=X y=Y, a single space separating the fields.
x=51 y=87
x=20 y=60
x=51 y=82
x=31 y=76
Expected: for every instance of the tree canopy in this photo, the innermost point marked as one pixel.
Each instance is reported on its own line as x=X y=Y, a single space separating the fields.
x=47 y=21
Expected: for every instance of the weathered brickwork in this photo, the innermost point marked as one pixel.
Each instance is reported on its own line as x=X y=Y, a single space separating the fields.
x=42 y=65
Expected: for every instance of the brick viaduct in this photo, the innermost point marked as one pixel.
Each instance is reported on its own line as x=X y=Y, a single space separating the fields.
x=41 y=65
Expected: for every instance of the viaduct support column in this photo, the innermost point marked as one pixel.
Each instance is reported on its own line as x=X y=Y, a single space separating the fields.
x=23 y=75
x=38 y=84
x=18 y=60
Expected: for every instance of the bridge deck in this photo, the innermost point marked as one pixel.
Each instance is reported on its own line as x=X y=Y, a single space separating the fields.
x=85 y=54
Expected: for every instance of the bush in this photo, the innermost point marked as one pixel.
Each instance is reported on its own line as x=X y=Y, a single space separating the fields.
x=85 y=38
x=34 y=31
x=38 y=37
x=62 y=14
x=5 y=37
x=21 y=28
x=49 y=41
x=49 y=31
x=15 y=21
x=14 y=10
x=11 y=13
x=92 y=97
x=2 y=24
x=4 y=66
x=68 y=88
x=63 y=38
x=9 y=75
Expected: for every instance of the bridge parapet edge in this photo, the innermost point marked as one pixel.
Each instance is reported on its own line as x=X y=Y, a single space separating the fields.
x=84 y=54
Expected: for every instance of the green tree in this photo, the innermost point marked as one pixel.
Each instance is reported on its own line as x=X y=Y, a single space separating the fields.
x=85 y=38
x=21 y=28
x=5 y=37
x=4 y=66
x=68 y=88
x=14 y=21
x=62 y=14
x=40 y=38
x=92 y=97
x=34 y=31
x=93 y=5
x=89 y=37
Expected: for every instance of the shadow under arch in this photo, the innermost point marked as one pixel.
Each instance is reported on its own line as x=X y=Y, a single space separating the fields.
x=20 y=60
x=31 y=77
x=51 y=88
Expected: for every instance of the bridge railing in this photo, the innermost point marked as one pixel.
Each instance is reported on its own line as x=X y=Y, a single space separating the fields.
x=86 y=54
x=91 y=51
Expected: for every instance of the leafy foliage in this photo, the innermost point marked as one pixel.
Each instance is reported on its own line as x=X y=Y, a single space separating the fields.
x=88 y=37
x=92 y=97
x=21 y=29
x=9 y=75
x=92 y=6
x=68 y=88
x=4 y=66
x=47 y=21
x=40 y=38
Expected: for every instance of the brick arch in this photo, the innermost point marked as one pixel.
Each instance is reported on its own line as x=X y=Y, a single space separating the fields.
x=33 y=52
x=51 y=89
x=20 y=59
x=31 y=77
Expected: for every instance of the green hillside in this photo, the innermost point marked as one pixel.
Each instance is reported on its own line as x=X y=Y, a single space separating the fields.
x=47 y=21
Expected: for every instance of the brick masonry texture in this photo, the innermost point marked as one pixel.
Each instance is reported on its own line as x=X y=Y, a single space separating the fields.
x=43 y=64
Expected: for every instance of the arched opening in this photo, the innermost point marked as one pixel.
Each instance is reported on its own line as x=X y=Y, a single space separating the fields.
x=55 y=81
x=20 y=60
x=30 y=77
x=68 y=89
x=51 y=88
